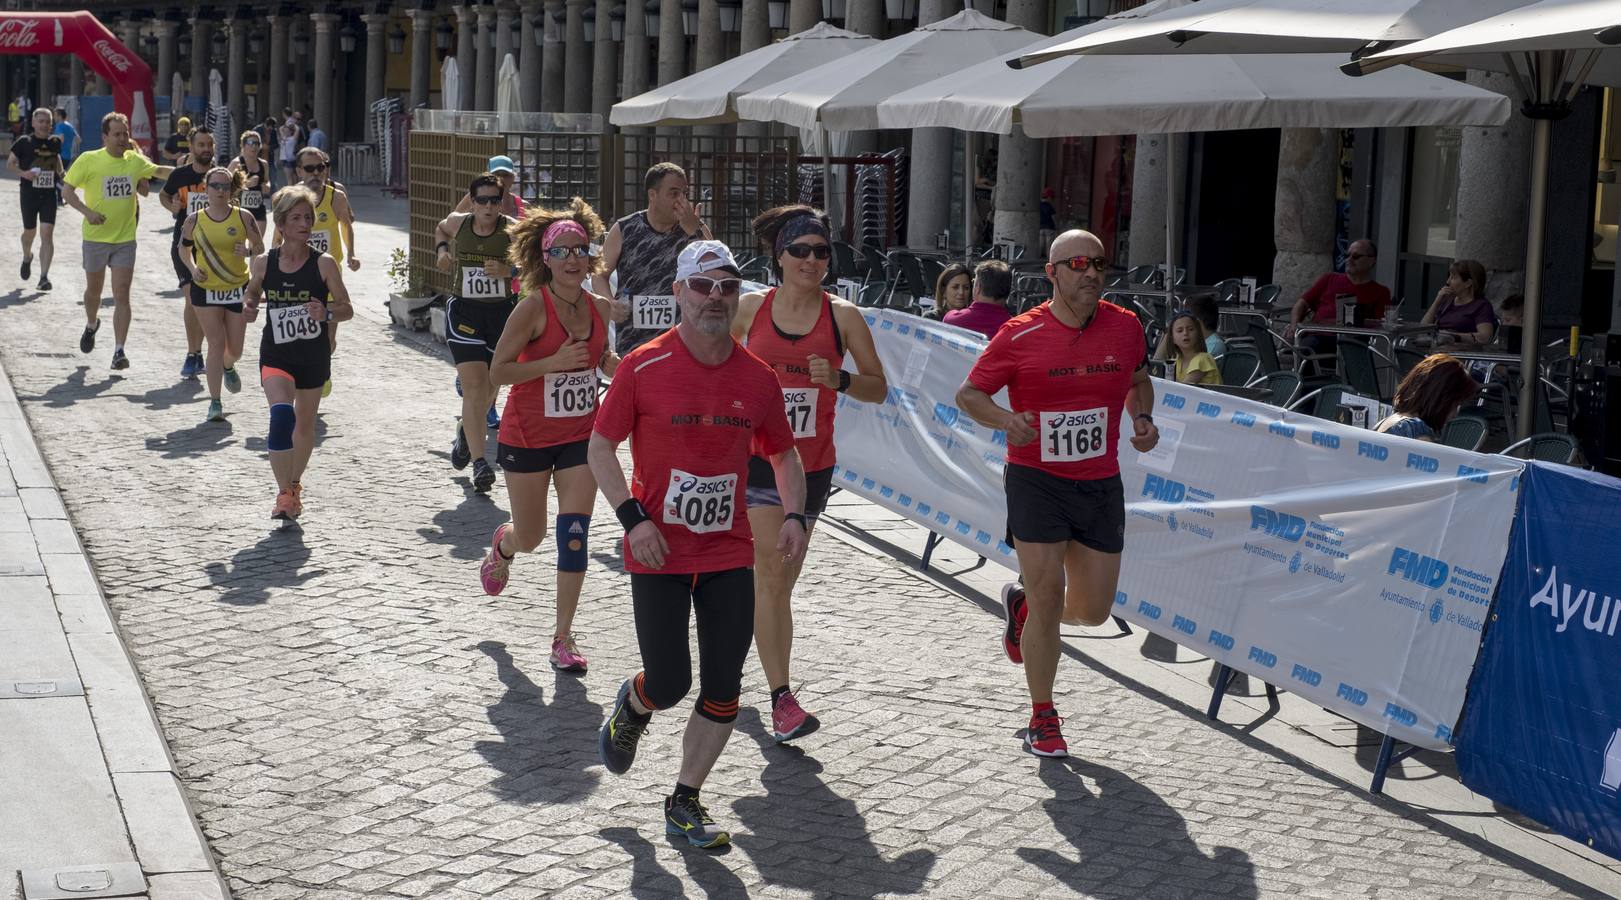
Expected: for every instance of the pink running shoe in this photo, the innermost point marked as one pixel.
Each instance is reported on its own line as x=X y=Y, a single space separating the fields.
x=789 y=720
x=493 y=571
x=566 y=655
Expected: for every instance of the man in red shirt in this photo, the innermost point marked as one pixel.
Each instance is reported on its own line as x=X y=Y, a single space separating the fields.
x=1071 y=366
x=695 y=405
x=1321 y=300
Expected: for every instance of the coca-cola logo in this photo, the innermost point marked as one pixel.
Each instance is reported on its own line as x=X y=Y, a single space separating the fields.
x=115 y=59
x=19 y=34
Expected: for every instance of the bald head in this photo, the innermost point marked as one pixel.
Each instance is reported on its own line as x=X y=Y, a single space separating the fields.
x=1074 y=242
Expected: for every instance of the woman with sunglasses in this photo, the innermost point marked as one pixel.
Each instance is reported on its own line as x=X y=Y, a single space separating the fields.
x=554 y=342
x=802 y=332
x=216 y=243
x=255 y=175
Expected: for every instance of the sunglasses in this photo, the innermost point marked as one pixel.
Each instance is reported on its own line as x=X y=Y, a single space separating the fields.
x=318 y=167
x=219 y=185
x=250 y=142
x=487 y=199
x=725 y=287
x=1082 y=263
x=1359 y=256
x=585 y=252
x=800 y=251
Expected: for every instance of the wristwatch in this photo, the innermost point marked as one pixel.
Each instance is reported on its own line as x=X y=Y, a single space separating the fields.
x=1144 y=416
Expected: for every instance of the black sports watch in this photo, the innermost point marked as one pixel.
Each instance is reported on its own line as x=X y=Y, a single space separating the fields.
x=1144 y=416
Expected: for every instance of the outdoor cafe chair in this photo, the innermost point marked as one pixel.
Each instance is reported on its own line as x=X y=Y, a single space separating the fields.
x=911 y=280
x=1407 y=358
x=1239 y=366
x=872 y=294
x=1266 y=295
x=1142 y=275
x=1284 y=385
x=1466 y=432
x=844 y=263
x=1256 y=337
x=1359 y=367
x=1552 y=447
x=1324 y=401
x=1227 y=290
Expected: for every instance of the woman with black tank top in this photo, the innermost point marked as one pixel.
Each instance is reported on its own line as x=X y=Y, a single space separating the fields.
x=255 y=175
x=302 y=293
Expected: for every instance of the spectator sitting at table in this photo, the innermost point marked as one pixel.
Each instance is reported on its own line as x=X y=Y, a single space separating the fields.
x=1322 y=298
x=1193 y=362
x=1204 y=307
x=1461 y=313
x=1429 y=397
x=1512 y=310
x=953 y=290
x=993 y=284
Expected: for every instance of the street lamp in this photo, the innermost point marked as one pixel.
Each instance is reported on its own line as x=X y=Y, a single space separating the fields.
x=256 y=42
x=833 y=9
x=538 y=26
x=616 y=24
x=183 y=43
x=442 y=36
x=589 y=17
x=901 y=9
x=731 y=16
x=217 y=44
x=652 y=18
x=301 y=43
x=777 y=14
x=396 y=40
x=346 y=38
x=689 y=17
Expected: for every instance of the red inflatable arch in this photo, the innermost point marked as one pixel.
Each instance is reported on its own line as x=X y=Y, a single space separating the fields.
x=83 y=35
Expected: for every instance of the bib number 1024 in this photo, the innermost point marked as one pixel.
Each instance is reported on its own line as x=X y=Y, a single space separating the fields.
x=1074 y=436
x=700 y=503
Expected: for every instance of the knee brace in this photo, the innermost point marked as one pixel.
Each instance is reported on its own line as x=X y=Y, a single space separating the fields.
x=573 y=530
x=722 y=711
x=281 y=427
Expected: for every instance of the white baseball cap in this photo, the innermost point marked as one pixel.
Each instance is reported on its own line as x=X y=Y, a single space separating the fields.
x=699 y=257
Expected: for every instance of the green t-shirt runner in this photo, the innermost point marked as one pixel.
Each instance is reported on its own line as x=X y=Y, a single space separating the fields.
x=109 y=185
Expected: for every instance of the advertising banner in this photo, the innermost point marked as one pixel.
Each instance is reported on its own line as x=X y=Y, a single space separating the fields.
x=1351 y=568
x=1542 y=730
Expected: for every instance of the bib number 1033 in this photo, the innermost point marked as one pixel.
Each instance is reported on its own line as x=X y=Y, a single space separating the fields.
x=570 y=394
x=1074 y=436
x=700 y=503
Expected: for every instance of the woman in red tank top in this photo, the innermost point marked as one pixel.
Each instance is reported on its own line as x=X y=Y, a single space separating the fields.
x=554 y=342
x=803 y=334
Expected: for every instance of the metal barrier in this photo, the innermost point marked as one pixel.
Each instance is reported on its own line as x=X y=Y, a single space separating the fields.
x=358 y=164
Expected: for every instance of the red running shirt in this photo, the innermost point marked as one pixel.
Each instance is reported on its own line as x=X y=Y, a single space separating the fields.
x=692 y=429
x=558 y=407
x=809 y=406
x=1074 y=379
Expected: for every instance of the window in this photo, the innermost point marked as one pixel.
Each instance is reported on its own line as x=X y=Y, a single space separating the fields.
x=1432 y=191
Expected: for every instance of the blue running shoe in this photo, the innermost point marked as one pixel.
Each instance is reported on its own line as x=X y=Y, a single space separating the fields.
x=493 y=418
x=193 y=366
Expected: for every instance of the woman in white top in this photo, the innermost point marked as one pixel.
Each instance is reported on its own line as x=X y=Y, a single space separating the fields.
x=289 y=150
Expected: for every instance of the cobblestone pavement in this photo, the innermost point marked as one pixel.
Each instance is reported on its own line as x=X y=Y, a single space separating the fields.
x=354 y=717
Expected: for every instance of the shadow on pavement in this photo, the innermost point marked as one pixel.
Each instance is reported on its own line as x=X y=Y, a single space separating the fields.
x=204 y=437
x=183 y=392
x=466 y=528
x=73 y=389
x=808 y=832
x=17 y=298
x=546 y=751
x=1129 y=838
x=651 y=880
x=275 y=562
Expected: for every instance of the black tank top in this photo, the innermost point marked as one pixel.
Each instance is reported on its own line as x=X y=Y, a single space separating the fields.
x=646 y=267
x=290 y=336
x=250 y=194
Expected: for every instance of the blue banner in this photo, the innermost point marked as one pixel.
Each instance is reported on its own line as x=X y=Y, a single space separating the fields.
x=1541 y=730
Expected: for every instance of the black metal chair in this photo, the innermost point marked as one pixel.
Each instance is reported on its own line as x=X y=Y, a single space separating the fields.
x=1407 y=358
x=1358 y=367
x=1325 y=400
x=1283 y=384
x=1227 y=290
x=1239 y=366
x=844 y=263
x=911 y=279
x=1466 y=432
x=1552 y=447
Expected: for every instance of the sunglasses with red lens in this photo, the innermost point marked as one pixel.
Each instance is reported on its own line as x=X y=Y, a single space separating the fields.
x=1082 y=263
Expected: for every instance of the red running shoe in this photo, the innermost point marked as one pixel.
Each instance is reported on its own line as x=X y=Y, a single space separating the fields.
x=1043 y=737
x=1015 y=611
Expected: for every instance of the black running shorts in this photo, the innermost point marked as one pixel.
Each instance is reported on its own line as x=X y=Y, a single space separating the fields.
x=526 y=460
x=472 y=328
x=38 y=206
x=762 y=488
x=1043 y=508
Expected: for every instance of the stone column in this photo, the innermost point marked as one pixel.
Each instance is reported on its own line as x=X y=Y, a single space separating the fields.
x=929 y=204
x=1018 y=166
x=47 y=79
x=1303 y=213
x=803 y=14
x=422 y=38
x=76 y=85
x=335 y=124
x=756 y=33
x=202 y=32
x=164 y=70
x=504 y=14
x=637 y=69
x=376 y=62
x=711 y=48
x=1492 y=214
x=236 y=78
x=1148 y=184
x=300 y=63
x=466 y=56
x=672 y=43
x=261 y=76
x=604 y=65
x=279 y=51
x=325 y=37
x=529 y=54
x=868 y=18
x=551 y=59
x=484 y=54
x=576 y=59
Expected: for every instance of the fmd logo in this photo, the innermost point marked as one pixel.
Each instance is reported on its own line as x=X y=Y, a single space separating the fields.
x=1277 y=524
x=1437 y=609
x=1224 y=641
x=1356 y=696
x=1185 y=625
x=1401 y=715
x=1164 y=489
x=1417 y=568
x=1306 y=676
x=1294 y=563
x=1244 y=419
x=945 y=414
x=1119 y=598
x=1173 y=401
x=1470 y=473
x=1281 y=430
x=1208 y=410
x=1423 y=463
x=1370 y=450
x=1264 y=657
x=1324 y=439
x=1149 y=610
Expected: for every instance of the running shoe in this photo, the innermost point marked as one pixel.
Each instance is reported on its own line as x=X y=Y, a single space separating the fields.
x=621 y=733
x=216 y=411
x=686 y=817
x=458 y=385
x=44 y=282
x=192 y=366
x=566 y=655
x=1014 y=611
x=460 y=456
x=492 y=419
x=287 y=506
x=120 y=361
x=483 y=475
x=1043 y=737
x=87 y=341
x=233 y=381
x=789 y=720
x=493 y=571
x=28 y=267
x=326 y=389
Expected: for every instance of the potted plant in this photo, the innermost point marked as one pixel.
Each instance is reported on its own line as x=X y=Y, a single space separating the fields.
x=408 y=300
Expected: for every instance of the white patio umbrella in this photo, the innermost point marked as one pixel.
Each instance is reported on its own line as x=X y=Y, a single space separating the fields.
x=1551 y=48
x=450 y=84
x=708 y=96
x=508 y=96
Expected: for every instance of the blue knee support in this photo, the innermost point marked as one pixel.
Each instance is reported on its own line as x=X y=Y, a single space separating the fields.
x=572 y=531
x=281 y=426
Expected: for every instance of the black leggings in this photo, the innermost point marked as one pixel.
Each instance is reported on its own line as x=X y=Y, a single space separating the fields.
x=725 y=607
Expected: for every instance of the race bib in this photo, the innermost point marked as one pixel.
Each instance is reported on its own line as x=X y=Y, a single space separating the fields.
x=800 y=404
x=570 y=394
x=652 y=312
x=320 y=242
x=117 y=187
x=196 y=202
x=292 y=323
x=252 y=200
x=45 y=180
x=216 y=298
x=1074 y=436
x=701 y=504
x=478 y=285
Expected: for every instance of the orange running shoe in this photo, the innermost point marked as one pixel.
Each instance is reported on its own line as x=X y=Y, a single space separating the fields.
x=286 y=507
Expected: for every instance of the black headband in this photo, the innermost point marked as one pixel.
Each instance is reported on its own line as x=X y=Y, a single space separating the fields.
x=796 y=228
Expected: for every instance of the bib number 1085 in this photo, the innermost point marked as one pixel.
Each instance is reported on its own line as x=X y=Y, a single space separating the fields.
x=1074 y=436
x=700 y=503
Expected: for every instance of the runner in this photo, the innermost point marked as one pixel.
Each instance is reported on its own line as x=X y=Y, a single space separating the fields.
x=176 y=148
x=802 y=333
x=1069 y=366
x=334 y=221
x=473 y=247
x=36 y=159
x=303 y=293
x=553 y=344
x=111 y=178
x=70 y=146
x=511 y=203
x=695 y=406
x=216 y=243
x=183 y=195
x=642 y=248
x=256 y=181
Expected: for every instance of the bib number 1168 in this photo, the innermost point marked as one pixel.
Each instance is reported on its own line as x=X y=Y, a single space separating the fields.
x=1074 y=436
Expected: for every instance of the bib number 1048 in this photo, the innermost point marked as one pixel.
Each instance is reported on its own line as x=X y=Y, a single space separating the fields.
x=1074 y=436
x=700 y=503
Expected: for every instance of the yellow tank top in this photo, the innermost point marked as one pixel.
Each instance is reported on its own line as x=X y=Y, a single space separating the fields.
x=326 y=223
x=214 y=250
